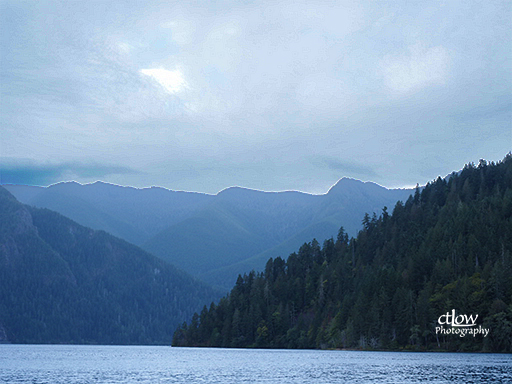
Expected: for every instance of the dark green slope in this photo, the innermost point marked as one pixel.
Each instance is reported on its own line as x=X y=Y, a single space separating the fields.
x=207 y=235
x=241 y=228
x=61 y=282
x=210 y=240
x=316 y=217
x=236 y=226
x=321 y=230
x=449 y=247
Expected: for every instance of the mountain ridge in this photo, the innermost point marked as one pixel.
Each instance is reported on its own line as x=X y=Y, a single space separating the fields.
x=447 y=249
x=187 y=228
x=61 y=282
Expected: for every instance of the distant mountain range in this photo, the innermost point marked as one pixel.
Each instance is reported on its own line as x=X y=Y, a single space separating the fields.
x=446 y=250
x=61 y=282
x=214 y=237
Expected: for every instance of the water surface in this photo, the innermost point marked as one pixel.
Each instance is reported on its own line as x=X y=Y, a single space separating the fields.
x=55 y=364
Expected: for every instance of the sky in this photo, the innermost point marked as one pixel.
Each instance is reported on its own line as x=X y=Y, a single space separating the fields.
x=277 y=95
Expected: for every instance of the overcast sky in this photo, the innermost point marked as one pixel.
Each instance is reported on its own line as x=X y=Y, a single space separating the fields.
x=274 y=95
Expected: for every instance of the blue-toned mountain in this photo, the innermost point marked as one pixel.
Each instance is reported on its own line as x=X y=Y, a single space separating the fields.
x=215 y=237
x=61 y=282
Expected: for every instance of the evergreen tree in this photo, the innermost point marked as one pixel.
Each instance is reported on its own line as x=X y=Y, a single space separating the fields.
x=448 y=247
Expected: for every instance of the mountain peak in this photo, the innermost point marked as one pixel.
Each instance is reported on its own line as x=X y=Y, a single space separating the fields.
x=237 y=191
x=347 y=183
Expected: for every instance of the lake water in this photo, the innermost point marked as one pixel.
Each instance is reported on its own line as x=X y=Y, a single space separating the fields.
x=54 y=364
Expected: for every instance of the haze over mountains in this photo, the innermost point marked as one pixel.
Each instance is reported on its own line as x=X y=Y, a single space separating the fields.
x=61 y=282
x=214 y=237
x=447 y=248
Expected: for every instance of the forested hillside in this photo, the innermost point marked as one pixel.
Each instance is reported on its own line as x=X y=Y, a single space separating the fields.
x=213 y=237
x=449 y=246
x=61 y=282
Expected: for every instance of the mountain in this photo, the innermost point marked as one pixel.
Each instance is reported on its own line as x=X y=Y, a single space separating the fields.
x=396 y=285
x=214 y=237
x=130 y=213
x=291 y=218
x=61 y=282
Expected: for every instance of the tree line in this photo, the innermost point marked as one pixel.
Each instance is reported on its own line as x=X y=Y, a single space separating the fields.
x=447 y=247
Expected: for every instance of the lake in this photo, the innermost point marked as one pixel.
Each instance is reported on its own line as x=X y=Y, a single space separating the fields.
x=54 y=364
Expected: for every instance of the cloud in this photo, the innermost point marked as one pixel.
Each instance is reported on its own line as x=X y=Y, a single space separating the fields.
x=26 y=172
x=419 y=67
x=378 y=89
x=349 y=168
x=172 y=81
x=182 y=31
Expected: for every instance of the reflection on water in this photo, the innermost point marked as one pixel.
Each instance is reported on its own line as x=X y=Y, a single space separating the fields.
x=148 y=364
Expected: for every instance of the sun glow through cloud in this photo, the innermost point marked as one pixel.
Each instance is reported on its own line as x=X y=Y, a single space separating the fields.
x=172 y=81
x=200 y=96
